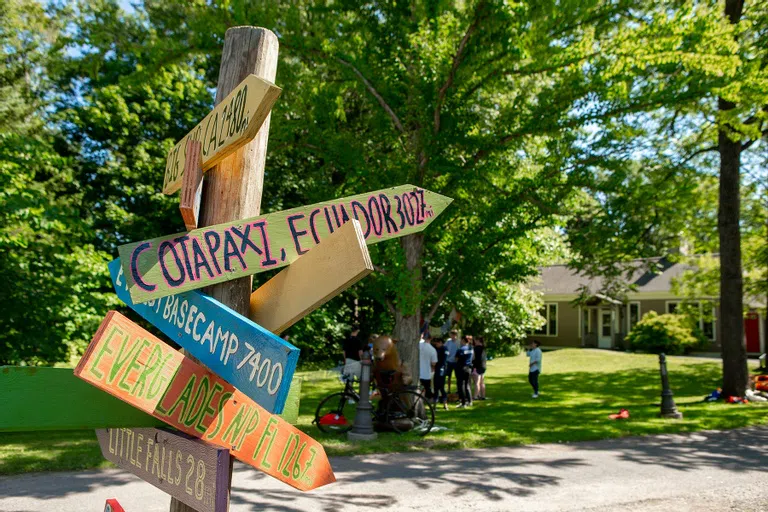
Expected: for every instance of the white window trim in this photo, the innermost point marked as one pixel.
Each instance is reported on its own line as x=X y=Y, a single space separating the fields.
x=701 y=315
x=639 y=312
x=546 y=317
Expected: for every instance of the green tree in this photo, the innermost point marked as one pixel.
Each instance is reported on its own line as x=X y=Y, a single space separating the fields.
x=506 y=107
x=51 y=298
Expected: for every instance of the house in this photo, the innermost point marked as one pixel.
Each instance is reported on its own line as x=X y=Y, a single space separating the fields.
x=579 y=314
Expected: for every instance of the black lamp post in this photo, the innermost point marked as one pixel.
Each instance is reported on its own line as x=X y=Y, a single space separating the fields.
x=668 y=407
x=362 y=429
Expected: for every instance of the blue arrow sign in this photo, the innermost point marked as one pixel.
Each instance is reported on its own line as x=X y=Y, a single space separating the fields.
x=240 y=351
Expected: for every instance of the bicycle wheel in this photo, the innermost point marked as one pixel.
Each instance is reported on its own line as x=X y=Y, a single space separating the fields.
x=408 y=410
x=336 y=413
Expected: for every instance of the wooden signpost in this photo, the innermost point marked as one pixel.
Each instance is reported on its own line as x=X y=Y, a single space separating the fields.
x=130 y=363
x=255 y=361
x=185 y=261
x=188 y=469
x=329 y=268
x=34 y=398
x=235 y=121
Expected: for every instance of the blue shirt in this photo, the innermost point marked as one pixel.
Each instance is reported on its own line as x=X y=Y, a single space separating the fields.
x=452 y=347
x=464 y=356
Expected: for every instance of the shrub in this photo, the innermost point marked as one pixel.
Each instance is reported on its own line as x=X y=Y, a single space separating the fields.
x=671 y=334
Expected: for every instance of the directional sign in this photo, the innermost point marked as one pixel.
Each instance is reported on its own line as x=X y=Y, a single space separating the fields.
x=338 y=262
x=192 y=185
x=130 y=363
x=186 y=261
x=230 y=125
x=36 y=398
x=255 y=361
x=190 y=470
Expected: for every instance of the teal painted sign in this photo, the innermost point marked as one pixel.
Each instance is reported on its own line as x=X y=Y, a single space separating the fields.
x=254 y=360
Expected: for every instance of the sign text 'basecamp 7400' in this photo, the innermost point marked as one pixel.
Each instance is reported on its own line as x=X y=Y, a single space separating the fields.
x=240 y=351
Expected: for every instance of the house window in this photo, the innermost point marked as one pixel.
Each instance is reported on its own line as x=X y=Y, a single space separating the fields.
x=633 y=315
x=548 y=313
x=706 y=315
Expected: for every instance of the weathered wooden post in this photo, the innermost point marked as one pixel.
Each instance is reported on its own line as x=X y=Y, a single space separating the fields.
x=233 y=189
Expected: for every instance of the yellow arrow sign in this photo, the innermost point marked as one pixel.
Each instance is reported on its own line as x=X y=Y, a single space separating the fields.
x=230 y=125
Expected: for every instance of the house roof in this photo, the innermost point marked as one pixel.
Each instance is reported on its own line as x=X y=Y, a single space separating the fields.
x=559 y=279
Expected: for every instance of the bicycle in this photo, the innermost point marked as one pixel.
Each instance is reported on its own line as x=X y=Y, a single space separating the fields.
x=406 y=410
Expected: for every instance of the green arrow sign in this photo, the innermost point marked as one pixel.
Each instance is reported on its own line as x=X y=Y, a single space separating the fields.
x=185 y=261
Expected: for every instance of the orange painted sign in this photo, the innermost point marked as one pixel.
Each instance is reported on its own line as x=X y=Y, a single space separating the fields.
x=130 y=363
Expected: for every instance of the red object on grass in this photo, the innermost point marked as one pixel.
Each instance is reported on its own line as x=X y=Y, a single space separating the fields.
x=761 y=382
x=622 y=415
x=113 y=506
x=333 y=419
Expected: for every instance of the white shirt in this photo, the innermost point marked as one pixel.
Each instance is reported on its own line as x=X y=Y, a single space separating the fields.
x=535 y=357
x=427 y=357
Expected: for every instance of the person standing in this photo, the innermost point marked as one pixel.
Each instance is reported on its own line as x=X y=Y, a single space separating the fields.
x=479 y=362
x=534 y=366
x=427 y=363
x=440 y=370
x=353 y=353
x=452 y=345
x=464 y=371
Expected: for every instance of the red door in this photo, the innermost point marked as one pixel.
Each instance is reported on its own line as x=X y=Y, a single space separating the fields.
x=752 y=332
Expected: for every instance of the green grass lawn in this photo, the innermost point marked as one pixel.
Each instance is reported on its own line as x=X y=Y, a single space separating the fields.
x=579 y=389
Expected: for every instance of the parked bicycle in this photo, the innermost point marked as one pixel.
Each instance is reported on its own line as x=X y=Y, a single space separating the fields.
x=405 y=411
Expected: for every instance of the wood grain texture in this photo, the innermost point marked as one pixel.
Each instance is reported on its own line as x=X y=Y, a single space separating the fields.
x=191 y=185
x=216 y=254
x=227 y=343
x=338 y=262
x=130 y=363
x=236 y=119
x=233 y=189
x=36 y=398
x=43 y=398
x=188 y=469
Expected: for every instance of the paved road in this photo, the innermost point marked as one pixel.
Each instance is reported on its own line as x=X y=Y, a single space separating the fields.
x=708 y=471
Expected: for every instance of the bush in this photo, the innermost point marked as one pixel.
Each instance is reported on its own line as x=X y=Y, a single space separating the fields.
x=670 y=334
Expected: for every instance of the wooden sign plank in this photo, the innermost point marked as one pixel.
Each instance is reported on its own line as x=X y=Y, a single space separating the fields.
x=44 y=398
x=255 y=361
x=192 y=185
x=186 y=261
x=234 y=122
x=112 y=505
x=188 y=469
x=337 y=263
x=130 y=363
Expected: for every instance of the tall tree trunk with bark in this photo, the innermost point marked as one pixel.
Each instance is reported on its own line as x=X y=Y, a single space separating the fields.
x=408 y=308
x=731 y=283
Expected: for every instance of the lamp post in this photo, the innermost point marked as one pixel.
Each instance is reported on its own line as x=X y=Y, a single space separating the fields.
x=362 y=429
x=668 y=407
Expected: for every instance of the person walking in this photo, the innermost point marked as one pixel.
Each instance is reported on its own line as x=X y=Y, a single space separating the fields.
x=534 y=366
x=452 y=345
x=479 y=362
x=427 y=363
x=439 y=393
x=464 y=371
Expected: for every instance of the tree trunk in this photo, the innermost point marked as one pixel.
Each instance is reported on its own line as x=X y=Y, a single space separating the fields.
x=731 y=325
x=408 y=306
